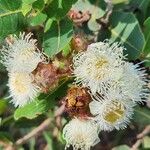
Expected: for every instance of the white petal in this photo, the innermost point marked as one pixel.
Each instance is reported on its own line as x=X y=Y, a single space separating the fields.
x=22 y=55
x=81 y=134
x=113 y=111
x=21 y=88
x=99 y=66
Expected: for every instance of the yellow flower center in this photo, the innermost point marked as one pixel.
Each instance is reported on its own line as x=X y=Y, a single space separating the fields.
x=101 y=63
x=19 y=83
x=115 y=112
x=26 y=54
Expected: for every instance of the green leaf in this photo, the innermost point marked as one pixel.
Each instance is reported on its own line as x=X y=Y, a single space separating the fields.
x=28 y=123
x=147 y=28
x=66 y=50
x=142 y=116
x=142 y=8
x=146 y=142
x=32 y=110
x=3 y=106
x=94 y=8
x=121 y=147
x=119 y=1
x=27 y=6
x=38 y=5
x=147 y=61
x=53 y=144
x=49 y=140
x=26 y=9
x=125 y=29
x=58 y=9
x=28 y=1
x=38 y=19
x=5 y=137
x=7 y=121
x=91 y=6
x=21 y=148
x=47 y=1
x=11 y=18
x=57 y=37
x=32 y=143
x=146 y=48
x=48 y=25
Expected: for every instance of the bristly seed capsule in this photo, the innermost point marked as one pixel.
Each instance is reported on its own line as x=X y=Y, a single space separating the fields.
x=77 y=102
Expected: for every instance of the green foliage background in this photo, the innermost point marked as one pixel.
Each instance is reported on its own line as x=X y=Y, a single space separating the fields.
x=47 y=19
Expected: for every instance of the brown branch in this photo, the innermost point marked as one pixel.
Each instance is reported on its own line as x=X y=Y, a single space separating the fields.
x=144 y=132
x=7 y=145
x=34 y=132
x=140 y=137
x=43 y=126
x=136 y=145
x=60 y=110
x=105 y=19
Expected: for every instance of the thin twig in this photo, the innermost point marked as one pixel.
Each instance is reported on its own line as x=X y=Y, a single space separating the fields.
x=144 y=132
x=34 y=132
x=140 y=137
x=43 y=126
x=136 y=145
x=60 y=110
x=105 y=19
x=7 y=145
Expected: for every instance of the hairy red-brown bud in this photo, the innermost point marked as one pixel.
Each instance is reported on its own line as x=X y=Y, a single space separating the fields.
x=79 y=17
x=45 y=76
x=63 y=66
x=79 y=43
x=77 y=102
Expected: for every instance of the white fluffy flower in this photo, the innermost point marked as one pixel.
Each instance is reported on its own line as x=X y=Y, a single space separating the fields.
x=133 y=83
x=99 y=66
x=112 y=111
x=81 y=134
x=22 y=54
x=21 y=88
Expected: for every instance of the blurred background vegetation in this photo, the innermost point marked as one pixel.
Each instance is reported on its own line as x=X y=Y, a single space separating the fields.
x=60 y=27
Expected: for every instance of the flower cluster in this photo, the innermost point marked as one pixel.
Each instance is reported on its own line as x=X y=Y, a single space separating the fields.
x=103 y=96
x=21 y=57
x=115 y=87
x=81 y=134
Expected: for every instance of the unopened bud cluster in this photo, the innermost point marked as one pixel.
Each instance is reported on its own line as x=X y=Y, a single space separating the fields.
x=115 y=86
x=20 y=58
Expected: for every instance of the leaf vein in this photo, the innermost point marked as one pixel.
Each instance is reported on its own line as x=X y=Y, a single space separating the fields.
x=125 y=41
x=10 y=13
